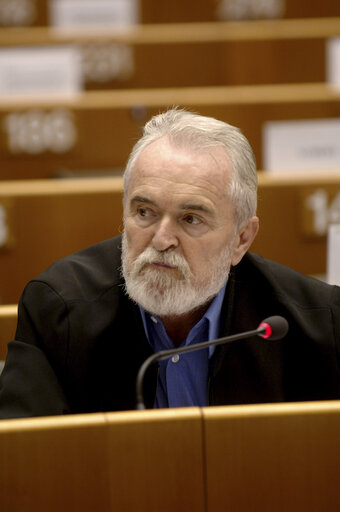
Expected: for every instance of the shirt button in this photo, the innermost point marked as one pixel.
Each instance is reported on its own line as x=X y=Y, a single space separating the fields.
x=175 y=358
x=154 y=320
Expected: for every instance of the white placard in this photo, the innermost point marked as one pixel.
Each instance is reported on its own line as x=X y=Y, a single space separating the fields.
x=35 y=70
x=301 y=145
x=333 y=254
x=249 y=9
x=333 y=60
x=85 y=13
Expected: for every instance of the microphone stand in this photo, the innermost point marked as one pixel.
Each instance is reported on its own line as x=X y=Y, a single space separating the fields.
x=165 y=354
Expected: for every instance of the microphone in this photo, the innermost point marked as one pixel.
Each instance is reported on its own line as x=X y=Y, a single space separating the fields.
x=272 y=328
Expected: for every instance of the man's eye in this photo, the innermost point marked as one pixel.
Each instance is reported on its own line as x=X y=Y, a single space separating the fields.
x=192 y=219
x=143 y=212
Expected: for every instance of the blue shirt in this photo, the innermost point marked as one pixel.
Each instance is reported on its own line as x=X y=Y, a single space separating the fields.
x=183 y=379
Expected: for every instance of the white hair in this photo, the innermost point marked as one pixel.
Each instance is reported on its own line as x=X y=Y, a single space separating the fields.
x=199 y=133
x=163 y=293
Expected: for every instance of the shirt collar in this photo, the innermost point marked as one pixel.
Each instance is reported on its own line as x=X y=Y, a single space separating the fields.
x=211 y=317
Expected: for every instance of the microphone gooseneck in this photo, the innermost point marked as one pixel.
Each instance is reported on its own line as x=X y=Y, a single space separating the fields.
x=272 y=328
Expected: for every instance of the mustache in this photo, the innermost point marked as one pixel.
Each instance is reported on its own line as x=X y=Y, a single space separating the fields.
x=151 y=255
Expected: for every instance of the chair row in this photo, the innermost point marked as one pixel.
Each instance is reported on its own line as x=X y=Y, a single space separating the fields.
x=44 y=220
x=94 y=131
x=196 y=54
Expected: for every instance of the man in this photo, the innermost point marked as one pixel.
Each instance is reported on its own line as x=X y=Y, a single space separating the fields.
x=85 y=327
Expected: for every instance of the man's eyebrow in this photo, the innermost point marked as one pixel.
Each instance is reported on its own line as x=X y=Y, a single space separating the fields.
x=196 y=207
x=142 y=199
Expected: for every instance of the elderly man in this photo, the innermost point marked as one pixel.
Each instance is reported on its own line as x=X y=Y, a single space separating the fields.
x=181 y=274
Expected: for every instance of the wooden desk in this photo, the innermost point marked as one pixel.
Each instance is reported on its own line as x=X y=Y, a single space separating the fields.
x=261 y=457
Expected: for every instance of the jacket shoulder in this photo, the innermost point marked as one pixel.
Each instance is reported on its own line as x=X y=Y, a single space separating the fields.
x=287 y=284
x=85 y=274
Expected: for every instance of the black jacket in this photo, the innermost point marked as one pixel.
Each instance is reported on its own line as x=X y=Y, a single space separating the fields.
x=80 y=340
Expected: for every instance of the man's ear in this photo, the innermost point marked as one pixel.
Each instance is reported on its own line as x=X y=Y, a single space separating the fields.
x=244 y=239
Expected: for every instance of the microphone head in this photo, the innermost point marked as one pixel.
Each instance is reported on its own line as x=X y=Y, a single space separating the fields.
x=276 y=327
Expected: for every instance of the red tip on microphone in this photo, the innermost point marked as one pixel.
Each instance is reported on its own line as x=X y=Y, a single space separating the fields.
x=275 y=328
x=268 y=330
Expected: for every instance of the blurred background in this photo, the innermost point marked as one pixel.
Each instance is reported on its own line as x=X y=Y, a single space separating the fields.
x=79 y=78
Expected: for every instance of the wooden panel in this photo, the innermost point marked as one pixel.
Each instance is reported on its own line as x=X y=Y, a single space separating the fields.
x=288 y=225
x=272 y=61
x=193 y=54
x=163 y=11
x=52 y=219
x=161 y=453
x=96 y=130
x=307 y=9
x=8 y=322
x=145 y=461
x=273 y=457
x=172 y=33
x=54 y=464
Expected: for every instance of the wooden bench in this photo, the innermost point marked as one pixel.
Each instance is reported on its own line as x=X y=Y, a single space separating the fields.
x=95 y=131
x=193 y=54
x=49 y=219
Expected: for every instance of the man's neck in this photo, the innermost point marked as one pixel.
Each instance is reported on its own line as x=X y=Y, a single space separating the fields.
x=178 y=327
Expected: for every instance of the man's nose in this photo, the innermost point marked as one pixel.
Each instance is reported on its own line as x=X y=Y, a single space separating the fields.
x=165 y=236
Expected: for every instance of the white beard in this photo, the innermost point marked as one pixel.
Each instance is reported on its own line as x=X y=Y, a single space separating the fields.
x=172 y=292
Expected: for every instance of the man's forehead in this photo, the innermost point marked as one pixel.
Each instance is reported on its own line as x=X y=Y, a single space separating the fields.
x=162 y=160
x=164 y=144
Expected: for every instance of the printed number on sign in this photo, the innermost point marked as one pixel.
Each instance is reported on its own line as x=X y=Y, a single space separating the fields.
x=324 y=213
x=36 y=131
